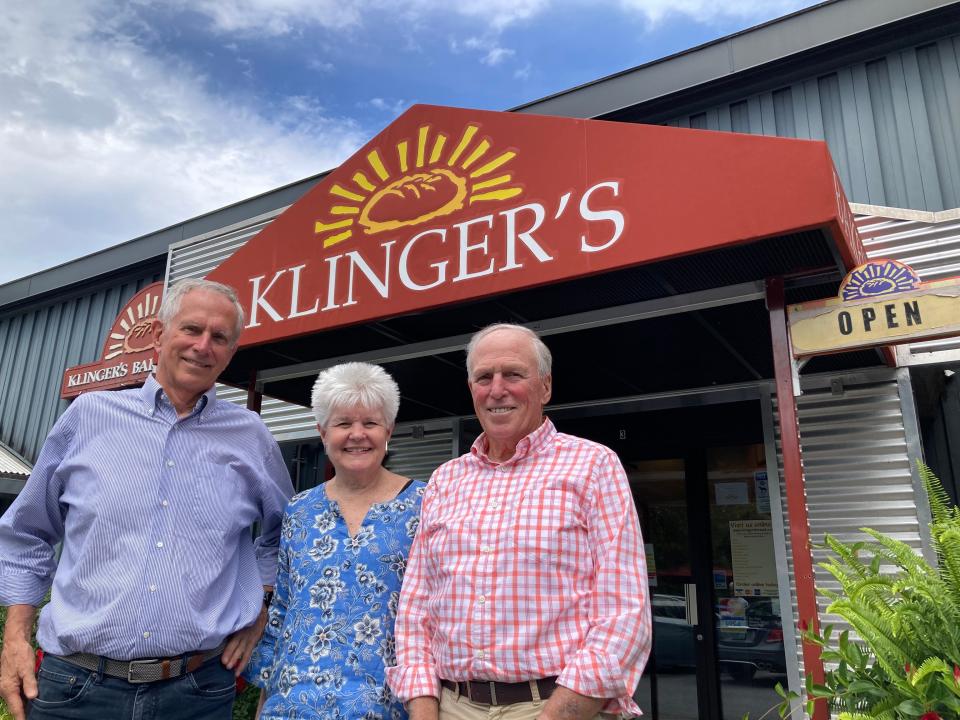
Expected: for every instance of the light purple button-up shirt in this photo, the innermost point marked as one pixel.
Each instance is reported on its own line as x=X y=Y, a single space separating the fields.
x=154 y=513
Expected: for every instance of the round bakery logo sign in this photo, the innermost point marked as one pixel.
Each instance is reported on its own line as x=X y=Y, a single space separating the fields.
x=418 y=180
x=128 y=352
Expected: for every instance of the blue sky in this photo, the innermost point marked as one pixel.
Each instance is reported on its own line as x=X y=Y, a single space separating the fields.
x=118 y=118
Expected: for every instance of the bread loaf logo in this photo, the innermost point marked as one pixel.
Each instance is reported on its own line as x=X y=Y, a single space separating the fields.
x=878 y=277
x=133 y=331
x=417 y=181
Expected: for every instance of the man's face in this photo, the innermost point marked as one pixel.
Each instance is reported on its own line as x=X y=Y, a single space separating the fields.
x=197 y=345
x=508 y=392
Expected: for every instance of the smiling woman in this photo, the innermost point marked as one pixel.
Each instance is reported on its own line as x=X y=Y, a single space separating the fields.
x=343 y=553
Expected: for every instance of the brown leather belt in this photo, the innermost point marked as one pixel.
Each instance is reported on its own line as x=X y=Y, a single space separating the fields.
x=148 y=670
x=488 y=692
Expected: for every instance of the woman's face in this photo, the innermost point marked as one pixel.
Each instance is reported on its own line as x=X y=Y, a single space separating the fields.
x=356 y=439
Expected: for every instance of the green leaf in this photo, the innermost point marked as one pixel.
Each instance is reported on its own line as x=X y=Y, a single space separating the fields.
x=910 y=707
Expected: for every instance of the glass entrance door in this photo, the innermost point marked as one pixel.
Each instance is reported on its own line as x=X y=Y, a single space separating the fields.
x=699 y=483
x=669 y=688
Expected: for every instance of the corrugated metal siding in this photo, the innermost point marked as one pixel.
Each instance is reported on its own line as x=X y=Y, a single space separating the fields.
x=858 y=469
x=892 y=124
x=38 y=343
x=931 y=246
x=417 y=457
x=12 y=465
x=197 y=256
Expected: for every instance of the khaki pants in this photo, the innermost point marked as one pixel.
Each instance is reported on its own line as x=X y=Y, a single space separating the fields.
x=461 y=708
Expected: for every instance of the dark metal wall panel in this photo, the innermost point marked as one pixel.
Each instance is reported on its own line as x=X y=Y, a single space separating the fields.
x=892 y=123
x=39 y=342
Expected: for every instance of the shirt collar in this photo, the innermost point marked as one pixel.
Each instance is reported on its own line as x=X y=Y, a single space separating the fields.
x=152 y=393
x=528 y=445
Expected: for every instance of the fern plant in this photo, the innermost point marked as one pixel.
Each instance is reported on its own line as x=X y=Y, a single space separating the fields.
x=906 y=662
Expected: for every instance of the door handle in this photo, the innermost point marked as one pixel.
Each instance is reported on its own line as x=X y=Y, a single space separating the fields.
x=690 y=598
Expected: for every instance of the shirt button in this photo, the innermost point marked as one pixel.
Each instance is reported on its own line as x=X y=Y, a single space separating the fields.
x=486 y=549
x=164 y=503
x=482 y=599
x=479 y=654
x=160 y=543
x=146 y=634
x=169 y=463
x=153 y=588
x=495 y=505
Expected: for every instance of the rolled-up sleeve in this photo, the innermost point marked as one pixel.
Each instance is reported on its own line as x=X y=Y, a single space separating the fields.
x=415 y=674
x=34 y=523
x=611 y=658
x=276 y=491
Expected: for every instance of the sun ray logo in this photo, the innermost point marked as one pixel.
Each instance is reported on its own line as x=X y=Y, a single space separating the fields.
x=878 y=277
x=133 y=331
x=431 y=178
x=128 y=351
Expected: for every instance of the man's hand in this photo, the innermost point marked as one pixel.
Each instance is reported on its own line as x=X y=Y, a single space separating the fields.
x=565 y=704
x=18 y=681
x=240 y=645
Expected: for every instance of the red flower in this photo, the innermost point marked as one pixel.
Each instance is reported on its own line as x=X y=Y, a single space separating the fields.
x=930 y=716
x=803 y=625
x=956 y=674
x=907 y=668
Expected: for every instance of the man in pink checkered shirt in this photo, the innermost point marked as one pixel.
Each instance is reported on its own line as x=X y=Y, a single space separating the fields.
x=525 y=594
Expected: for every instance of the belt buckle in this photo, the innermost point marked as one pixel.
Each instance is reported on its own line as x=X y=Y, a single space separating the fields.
x=130 y=669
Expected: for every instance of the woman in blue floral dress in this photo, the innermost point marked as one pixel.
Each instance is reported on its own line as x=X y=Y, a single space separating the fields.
x=343 y=550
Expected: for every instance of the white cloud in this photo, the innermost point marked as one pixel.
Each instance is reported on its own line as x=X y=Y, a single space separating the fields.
x=706 y=11
x=393 y=107
x=273 y=17
x=102 y=142
x=321 y=66
x=500 y=14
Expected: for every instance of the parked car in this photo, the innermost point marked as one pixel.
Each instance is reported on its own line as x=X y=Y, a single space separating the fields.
x=673 y=646
x=754 y=644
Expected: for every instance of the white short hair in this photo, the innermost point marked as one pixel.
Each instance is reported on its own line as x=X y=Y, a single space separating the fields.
x=174 y=295
x=355 y=384
x=544 y=357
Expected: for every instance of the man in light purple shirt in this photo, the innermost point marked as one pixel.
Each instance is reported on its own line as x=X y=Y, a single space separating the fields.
x=158 y=597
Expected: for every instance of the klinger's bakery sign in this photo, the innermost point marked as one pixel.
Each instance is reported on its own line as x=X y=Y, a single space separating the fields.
x=446 y=205
x=128 y=355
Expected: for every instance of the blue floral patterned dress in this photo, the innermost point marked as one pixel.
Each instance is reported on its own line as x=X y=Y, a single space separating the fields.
x=330 y=628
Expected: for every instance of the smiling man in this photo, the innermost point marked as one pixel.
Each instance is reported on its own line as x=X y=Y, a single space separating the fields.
x=526 y=584
x=158 y=596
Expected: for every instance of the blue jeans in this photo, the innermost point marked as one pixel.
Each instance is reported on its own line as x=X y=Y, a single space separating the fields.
x=69 y=692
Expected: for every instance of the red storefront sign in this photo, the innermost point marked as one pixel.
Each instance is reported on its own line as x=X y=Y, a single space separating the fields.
x=447 y=205
x=128 y=355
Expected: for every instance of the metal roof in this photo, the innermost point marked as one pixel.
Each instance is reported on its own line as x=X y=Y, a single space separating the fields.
x=800 y=33
x=12 y=465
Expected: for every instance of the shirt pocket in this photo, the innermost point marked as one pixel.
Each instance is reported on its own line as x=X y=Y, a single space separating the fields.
x=217 y=500
x=550 y=526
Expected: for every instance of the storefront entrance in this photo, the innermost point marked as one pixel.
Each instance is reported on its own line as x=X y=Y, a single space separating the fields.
x=700 y=485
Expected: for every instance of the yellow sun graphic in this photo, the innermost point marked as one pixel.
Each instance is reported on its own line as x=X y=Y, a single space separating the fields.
x=430 y=185
x=133 y=330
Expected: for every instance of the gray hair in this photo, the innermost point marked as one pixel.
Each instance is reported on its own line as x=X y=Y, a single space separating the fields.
x=355 y=384
x=544 y=358
x=174 y=295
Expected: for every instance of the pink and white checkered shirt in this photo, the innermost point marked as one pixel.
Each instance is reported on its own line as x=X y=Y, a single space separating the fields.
x=527 y=569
